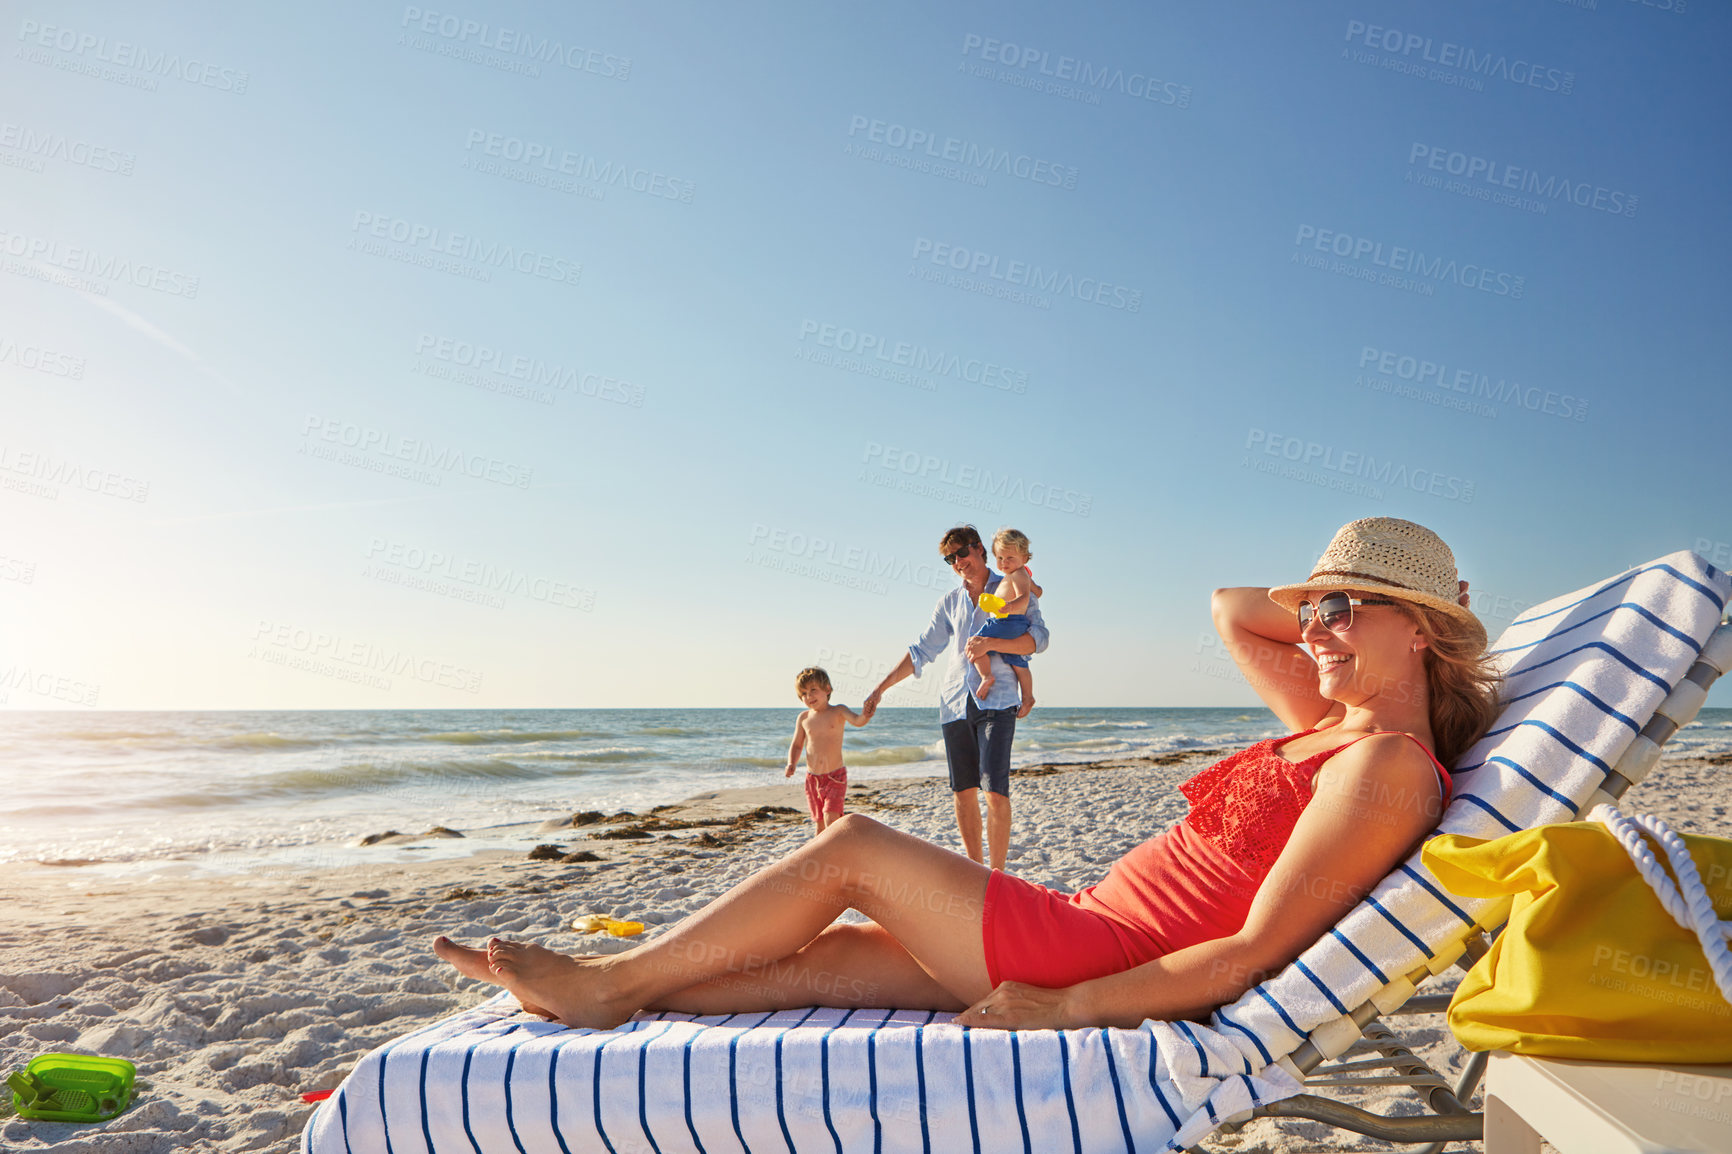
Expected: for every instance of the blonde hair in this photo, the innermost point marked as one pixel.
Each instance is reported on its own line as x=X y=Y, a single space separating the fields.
x=808 y=676
x=1013 y=537
x=1461 y=682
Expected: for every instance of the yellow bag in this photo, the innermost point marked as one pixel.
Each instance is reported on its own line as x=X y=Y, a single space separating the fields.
x=1591 y=965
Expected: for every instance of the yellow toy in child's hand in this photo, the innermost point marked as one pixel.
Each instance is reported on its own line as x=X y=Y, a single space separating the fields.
x=595 y=924
x=992 y=605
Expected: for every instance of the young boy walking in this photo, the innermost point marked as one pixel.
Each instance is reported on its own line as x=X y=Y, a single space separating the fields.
x=819 y=732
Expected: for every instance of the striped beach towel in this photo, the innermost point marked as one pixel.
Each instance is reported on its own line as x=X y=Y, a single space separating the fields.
x=496 y=1079
x=1584 y=673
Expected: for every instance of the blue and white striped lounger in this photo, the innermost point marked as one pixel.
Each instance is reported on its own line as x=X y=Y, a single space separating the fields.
x=1585 y=672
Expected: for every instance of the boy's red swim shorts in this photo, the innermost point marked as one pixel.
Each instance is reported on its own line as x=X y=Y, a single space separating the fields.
x=825 y=791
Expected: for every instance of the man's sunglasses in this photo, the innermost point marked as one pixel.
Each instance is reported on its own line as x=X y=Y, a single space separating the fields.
x=951 y=559
x=1334 y=610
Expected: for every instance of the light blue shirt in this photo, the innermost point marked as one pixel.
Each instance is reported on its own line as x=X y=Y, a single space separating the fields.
x=954 y=621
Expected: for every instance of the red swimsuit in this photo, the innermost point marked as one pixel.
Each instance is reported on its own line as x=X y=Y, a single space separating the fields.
x=1192 y=883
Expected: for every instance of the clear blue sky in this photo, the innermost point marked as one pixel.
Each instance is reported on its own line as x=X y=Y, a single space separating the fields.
x=243 y=295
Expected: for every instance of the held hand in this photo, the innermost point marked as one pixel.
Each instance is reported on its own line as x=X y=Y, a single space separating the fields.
x=1465 y=600
x=870 y=705
x=979 y=647
x=1017 y=1006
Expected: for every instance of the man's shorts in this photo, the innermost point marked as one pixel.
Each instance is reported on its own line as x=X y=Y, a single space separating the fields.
x=825 y=791
x=978 y=747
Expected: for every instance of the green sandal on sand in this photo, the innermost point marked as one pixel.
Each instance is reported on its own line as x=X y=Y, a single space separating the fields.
x=72 y=1088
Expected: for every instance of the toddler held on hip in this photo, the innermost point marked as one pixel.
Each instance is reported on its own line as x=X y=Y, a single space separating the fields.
x=819 y=732
x=1010 y=551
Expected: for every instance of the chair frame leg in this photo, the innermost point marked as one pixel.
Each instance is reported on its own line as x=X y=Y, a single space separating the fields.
x=1471 y=1074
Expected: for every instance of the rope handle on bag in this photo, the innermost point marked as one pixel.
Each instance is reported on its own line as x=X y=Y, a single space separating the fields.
x=1690 y=908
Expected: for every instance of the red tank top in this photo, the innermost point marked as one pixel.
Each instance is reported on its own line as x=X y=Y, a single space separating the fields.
x=1195 y=882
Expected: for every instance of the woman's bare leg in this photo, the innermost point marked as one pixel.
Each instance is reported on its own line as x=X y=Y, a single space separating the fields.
x=850 y=966
x=927 y=898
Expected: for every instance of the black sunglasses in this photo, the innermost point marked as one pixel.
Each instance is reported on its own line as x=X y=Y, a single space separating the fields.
x=950 y=559
x=1334 y=611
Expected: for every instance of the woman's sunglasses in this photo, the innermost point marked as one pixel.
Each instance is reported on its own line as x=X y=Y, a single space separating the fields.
x=1334 y=610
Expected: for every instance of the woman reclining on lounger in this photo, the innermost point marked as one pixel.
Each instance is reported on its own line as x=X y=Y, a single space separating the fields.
x=1281 y=840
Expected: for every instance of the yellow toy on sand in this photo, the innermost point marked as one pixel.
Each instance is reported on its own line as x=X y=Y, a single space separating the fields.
x=595 y=924
x=992 y=605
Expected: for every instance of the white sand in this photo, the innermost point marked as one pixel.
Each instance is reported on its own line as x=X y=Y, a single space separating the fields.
x=236 y=994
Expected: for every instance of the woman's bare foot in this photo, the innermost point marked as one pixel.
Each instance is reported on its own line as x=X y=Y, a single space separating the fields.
x=577 y=992
x=472 y=963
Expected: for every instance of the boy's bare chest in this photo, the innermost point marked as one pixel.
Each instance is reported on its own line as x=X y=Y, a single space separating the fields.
x=823 y=724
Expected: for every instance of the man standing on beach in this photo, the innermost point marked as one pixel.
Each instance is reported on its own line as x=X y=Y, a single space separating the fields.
x=977 y=734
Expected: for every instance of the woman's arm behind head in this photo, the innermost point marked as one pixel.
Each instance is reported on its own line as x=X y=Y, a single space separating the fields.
x=1263 y=639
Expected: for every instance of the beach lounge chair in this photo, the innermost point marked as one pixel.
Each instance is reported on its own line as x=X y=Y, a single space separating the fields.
x=1586 y=671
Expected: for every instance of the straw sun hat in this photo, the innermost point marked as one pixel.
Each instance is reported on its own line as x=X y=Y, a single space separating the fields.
x=1386 y=555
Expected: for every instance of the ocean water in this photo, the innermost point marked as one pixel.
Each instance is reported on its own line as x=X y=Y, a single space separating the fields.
x=235 y=790
x=281 y=786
